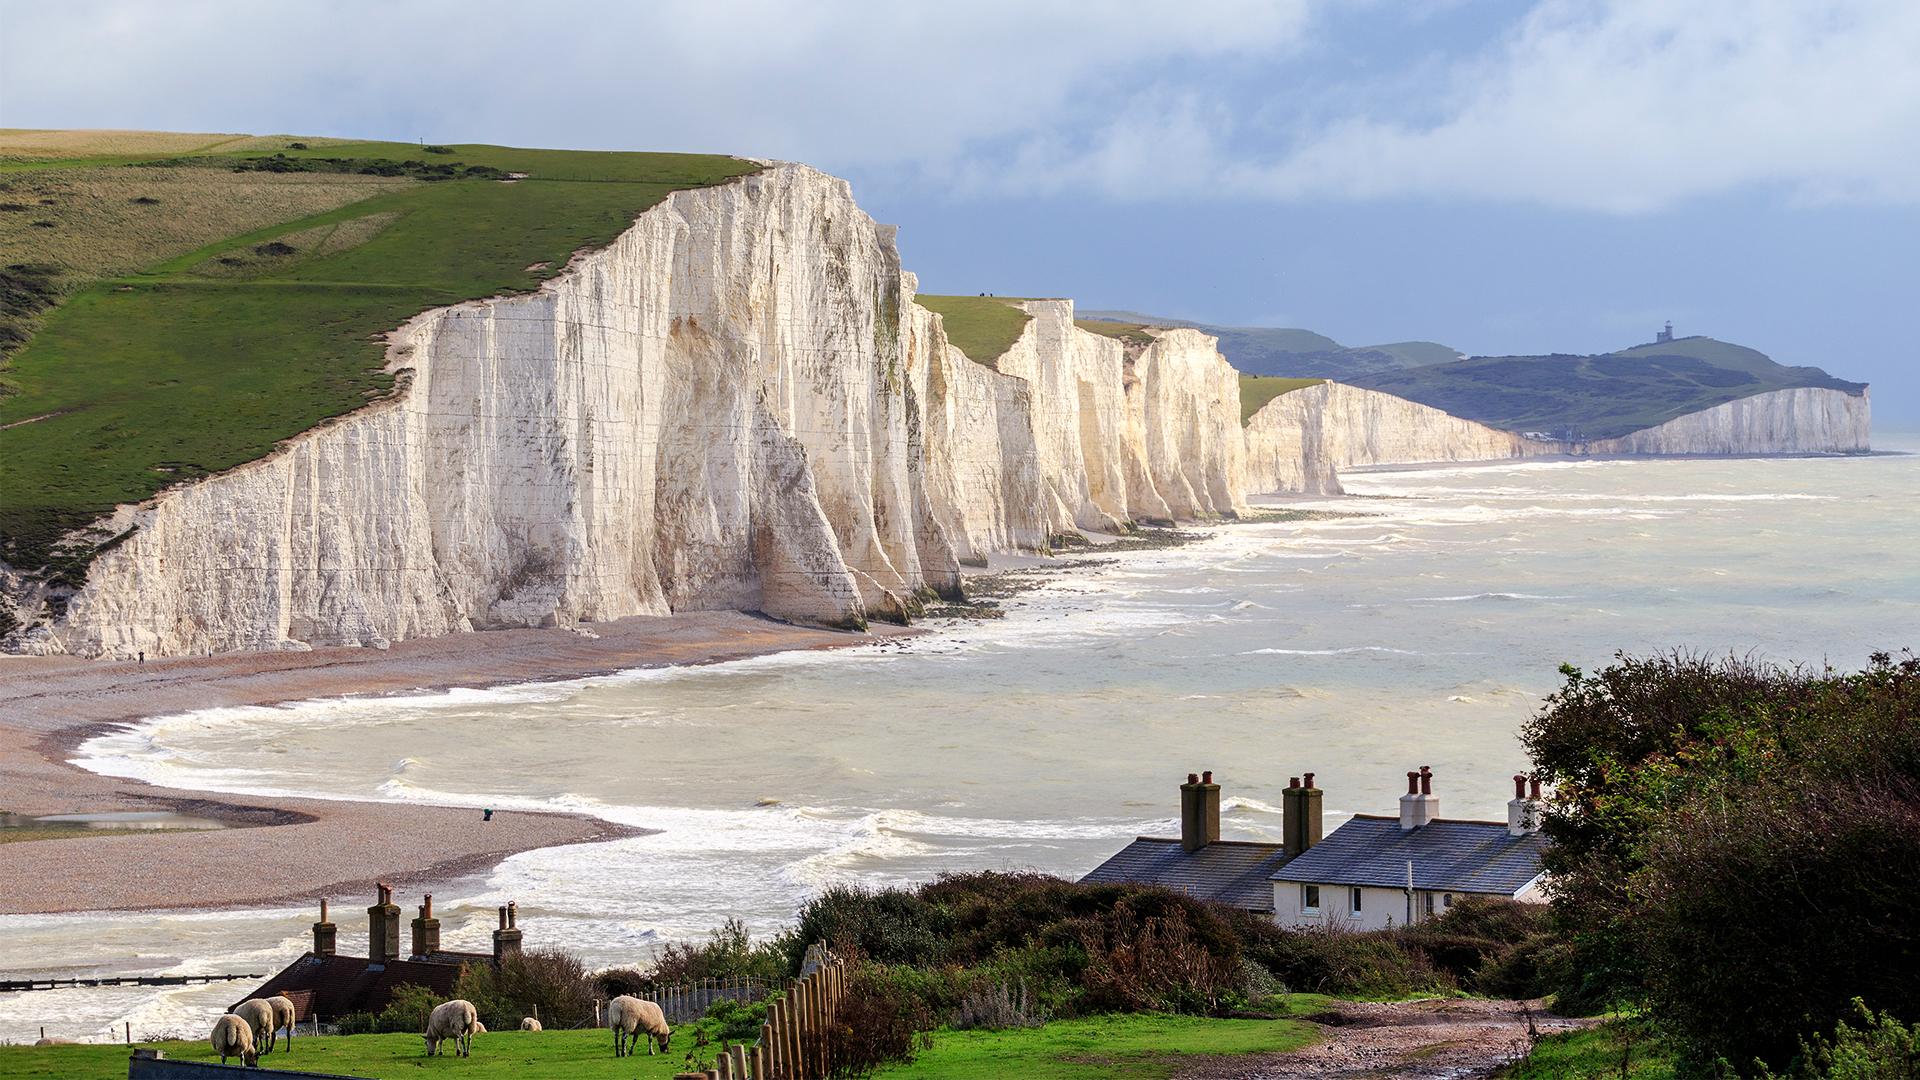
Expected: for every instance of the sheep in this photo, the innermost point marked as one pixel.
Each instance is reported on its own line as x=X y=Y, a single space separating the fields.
x=283 y=1014
x=630 y=1017
x=233 y=1036
x=258 y=1015
x=479 y=1028
x=456 y=1020
x=54 y=1040
x=528 y=1023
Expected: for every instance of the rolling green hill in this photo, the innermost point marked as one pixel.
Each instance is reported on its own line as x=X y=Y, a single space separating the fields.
x=1598 y=397
x=244 y=295
x=1292 y=353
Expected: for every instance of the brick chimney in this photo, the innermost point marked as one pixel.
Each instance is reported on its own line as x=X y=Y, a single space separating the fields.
x=426 y=930
x=506 y=940
x=1523 y=810
x=326 y=936
x=1199 y=811
x=1299 y=815
x=383 y=927
x=1419 y=805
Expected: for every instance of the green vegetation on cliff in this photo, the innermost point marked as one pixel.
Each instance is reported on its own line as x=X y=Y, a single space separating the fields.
x=983 y=327
x=216 y=326
x=1256 y=391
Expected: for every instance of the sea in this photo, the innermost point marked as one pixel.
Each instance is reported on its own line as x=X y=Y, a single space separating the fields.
x=1423 y=625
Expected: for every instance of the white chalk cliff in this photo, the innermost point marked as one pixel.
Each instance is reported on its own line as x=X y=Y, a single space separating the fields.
x=1301 y=440
x=735 y=405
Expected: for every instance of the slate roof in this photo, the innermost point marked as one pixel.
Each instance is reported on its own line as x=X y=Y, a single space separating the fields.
x=1448 y=856
x=330 y=986
x=1234 y=872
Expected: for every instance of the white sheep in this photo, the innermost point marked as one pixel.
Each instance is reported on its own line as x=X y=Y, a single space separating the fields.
x=479 y=1028
x=259 y=1016
x=456 y=1020
x=283 y=1014
x=233 y=1036
x=54 y=1040
x=630 y=1017
x=528 y=1023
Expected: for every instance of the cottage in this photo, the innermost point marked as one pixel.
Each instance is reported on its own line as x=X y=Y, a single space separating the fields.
x=1370 y=873
x=1377 y=871
x=1233 y=872
x=323 y=984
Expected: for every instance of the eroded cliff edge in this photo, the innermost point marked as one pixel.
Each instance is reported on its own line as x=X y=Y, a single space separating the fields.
x=735 y=405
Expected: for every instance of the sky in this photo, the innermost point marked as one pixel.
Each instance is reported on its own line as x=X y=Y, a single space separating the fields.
x=1502 y=176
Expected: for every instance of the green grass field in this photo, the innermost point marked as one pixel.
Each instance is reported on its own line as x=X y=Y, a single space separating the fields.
x=1599 y=1052
x=1257 y=390
x=1133 y=1047
x=1136 y=1046
x=189 y=367
x=1134 y=334
x=983 y=327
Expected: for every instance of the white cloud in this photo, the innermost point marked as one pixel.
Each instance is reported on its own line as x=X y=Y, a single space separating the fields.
x=1619 y=105
x=1633 y=105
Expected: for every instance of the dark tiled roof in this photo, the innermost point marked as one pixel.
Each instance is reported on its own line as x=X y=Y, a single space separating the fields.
x=1448 y=856
x=1232 y=872
x=343 y=985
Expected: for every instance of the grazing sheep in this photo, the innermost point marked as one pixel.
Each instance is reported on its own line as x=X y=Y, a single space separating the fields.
x=479 y=1028
x=528 y=1023
x=54 y=1040
x=259 y=1016
x=630 y=1017
x=454 y=1020
x=233 y=1036
x=283 y=1014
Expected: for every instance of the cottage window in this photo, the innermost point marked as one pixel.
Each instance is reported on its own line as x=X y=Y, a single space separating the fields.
x=1446 y=900
x=1429 y=901
x=1356 y=899
x=1310 y=898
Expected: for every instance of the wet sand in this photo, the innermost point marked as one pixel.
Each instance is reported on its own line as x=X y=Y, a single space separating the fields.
x=306 y=848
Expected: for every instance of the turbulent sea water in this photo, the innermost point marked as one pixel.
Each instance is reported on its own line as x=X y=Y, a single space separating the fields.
x=1422 y=631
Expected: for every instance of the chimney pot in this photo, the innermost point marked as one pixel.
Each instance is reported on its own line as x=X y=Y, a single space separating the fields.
x=1426 y=780
x=1193 y=778
x=1207 y=777
x=1413 y=783
x=1536 y=788
x=323 y=911
x=1299 y=817
x=1293 y=781
x=1519 y=786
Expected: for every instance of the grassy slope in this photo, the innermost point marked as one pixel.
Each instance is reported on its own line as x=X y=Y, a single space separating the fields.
x=1134 y=1047
x=178 y=369
x=1134 y=334
x=983 y=327
x=1602 y=396
x=1138 y=1046
x=1256 y=391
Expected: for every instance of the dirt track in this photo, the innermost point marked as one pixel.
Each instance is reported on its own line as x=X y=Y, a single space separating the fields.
x=1411 y=1040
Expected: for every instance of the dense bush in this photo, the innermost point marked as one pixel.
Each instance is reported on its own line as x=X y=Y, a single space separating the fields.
x=549 y=981
x=1736 y=844
x=880 y=1021
x=728 y=953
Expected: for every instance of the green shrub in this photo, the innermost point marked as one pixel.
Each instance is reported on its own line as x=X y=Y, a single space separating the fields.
x=729 y=953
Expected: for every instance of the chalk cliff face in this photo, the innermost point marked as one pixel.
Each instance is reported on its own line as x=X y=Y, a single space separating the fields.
x=1805 y=420
x=735 y=405
x=1300 y=440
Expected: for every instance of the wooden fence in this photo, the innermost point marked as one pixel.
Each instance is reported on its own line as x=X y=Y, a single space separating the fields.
x=681 y=1004
x=796 y=1041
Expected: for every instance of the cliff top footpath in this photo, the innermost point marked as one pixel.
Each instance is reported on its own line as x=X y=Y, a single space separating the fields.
x=49 y=705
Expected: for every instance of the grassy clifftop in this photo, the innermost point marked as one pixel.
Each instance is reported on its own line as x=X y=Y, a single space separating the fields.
x=983 y=327
x=211 y=305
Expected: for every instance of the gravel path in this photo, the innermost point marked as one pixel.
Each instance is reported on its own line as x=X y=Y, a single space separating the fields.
x=1435 y=1039
x=314 y=847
